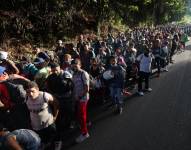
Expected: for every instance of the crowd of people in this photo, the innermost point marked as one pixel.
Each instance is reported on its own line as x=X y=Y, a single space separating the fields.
x=42 y=95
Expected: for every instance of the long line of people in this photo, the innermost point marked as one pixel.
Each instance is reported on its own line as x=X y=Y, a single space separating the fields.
x=51 y=92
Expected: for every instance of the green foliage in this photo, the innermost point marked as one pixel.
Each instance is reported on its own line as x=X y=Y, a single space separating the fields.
x=45 y=20
x=169 y=10
x=185 y=20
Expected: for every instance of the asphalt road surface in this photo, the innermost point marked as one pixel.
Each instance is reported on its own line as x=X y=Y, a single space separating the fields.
x=161 y=120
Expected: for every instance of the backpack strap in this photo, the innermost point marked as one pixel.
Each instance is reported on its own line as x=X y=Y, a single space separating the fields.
x=42 y=96
x=81 y=75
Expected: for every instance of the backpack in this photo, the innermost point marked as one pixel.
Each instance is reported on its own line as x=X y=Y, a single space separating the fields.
x=4 y=96
x=91 y=81
x=67 y=86
x=16 y=92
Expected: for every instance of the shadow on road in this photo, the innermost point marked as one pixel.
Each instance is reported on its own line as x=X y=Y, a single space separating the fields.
x=188 y=47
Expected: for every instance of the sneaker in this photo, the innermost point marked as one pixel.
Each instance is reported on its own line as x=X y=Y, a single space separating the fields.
x=58 y=145
x=148 y=90
x=141 y=93
x=120 y=110
x=166 y=70
x=82 y=137
x=72 y=125
x=172 y=61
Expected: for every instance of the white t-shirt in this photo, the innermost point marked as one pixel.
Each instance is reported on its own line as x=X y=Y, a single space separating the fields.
x=145 y=63
x=40 y=112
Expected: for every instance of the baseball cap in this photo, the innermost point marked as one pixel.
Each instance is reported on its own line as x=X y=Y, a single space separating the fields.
x=67 y=74
x=60 y=42
x=38 y=61
x=43 y=55
x=2 y=70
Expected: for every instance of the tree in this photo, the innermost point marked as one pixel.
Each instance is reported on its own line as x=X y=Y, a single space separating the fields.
x=47 y=20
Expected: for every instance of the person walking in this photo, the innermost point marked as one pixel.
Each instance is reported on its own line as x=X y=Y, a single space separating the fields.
x=43 y=110
x=116 y=84
x=145 y=61
x=81 y=93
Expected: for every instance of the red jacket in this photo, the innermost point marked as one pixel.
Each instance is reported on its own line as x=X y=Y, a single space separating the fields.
x=4 y=96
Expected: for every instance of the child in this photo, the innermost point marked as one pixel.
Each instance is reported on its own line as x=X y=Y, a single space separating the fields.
x=116 y=84
x=145 y=61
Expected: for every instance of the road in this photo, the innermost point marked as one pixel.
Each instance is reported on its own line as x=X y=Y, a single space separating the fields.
x=161 y=120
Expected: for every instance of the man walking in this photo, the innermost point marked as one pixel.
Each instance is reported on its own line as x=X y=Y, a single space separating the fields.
x=43 y=110
x=81 y=92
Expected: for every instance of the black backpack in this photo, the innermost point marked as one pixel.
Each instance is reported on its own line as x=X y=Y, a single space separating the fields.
x=16 y=92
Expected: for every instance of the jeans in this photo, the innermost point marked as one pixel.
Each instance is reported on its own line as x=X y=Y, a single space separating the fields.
x=27 y=139
x=172 y=52
x=163 y=63
x=116 y=95
x=34 y=146
x=158 y=64
x=143 y=76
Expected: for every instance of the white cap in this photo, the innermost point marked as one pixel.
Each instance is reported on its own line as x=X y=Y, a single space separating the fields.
x=3 y=55
x=59 y=41
x=67 y=74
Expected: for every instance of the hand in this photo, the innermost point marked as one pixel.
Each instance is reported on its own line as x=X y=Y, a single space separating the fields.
x=1 y=104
